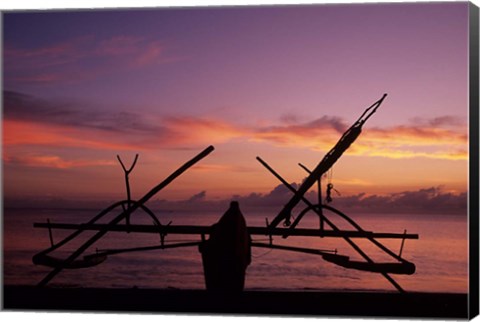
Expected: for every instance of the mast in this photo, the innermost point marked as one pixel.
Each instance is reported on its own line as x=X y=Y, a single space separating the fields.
x=327 y=162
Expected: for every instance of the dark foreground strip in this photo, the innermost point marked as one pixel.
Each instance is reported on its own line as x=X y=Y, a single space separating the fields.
x=307 y=303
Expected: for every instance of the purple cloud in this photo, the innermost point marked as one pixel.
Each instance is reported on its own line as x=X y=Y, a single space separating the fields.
x=80 y=59
x=23 y=107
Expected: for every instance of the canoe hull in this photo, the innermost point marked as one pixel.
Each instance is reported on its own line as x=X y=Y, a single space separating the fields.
x=404 y=268
x=87 y=261
x=227 y=254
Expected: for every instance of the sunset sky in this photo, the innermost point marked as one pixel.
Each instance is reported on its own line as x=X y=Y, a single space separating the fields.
x=282 y=83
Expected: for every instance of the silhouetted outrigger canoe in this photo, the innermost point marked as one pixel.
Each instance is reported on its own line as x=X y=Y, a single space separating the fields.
x=404 y=268
x=226 y=253
x=87 y=261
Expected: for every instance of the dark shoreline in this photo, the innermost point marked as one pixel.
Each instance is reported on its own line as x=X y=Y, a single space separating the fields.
x=309 y=303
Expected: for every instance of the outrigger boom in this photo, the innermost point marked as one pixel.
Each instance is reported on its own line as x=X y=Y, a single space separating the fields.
x=205 y=230
x=226 y=254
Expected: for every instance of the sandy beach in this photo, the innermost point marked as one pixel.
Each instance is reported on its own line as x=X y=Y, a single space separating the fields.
x=301 y=303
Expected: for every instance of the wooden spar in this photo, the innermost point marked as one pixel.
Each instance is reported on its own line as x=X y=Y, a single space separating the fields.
x=87 y=261
x=127 y=182
x=50 y=235
x=370 y=238
x=347 y=239
x=327 y=162
x=79 y=231
x=93 y=220
x=405 y=268
x=126 y=213
x=319 y=192
x=187 y=244
x=354 y=224
x=205 y=230
x=294 y=249
x=146 y=248
x=401 y=246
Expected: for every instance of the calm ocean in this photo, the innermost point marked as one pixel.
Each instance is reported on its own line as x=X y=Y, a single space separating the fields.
x=440 y=255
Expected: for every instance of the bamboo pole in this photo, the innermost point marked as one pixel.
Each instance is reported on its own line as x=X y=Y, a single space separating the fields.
x=127 y=212
x=347 y=239
x=80 y=230
x=205 y=230
x=146 y=248
x=295 y=249
x=127 y=182
x=326 y=163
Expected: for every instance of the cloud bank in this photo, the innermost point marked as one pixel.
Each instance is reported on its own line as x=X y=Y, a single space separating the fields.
x=34 y=121
x=433 y=201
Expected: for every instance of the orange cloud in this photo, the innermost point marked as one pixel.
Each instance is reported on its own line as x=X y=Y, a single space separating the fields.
x=173 y=133
x=31 y=121
x=317 y=139
x=396 y=153
x=396 y=142
x=320 y=134
x=31 y=133
x=202 y=130
x=413 y=141
x=53 y=161
x=406 y=141
x=413 y=135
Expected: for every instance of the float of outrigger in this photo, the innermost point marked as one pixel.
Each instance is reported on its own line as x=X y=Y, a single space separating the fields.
x=227 y=251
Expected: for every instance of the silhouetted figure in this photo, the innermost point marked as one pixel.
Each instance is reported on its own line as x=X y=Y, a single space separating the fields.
x=226 y=254
x=329 y=198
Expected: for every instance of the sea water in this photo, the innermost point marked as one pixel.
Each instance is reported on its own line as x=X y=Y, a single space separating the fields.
x=440 y=254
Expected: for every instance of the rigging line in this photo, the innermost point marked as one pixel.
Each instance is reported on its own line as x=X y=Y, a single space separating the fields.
x=260 y=240
x=319 y=193
x=264 y=254
x=349 y=220
x=347 y=239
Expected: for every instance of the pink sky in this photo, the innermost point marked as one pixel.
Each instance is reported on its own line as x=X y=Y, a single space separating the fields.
x=282 y=83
